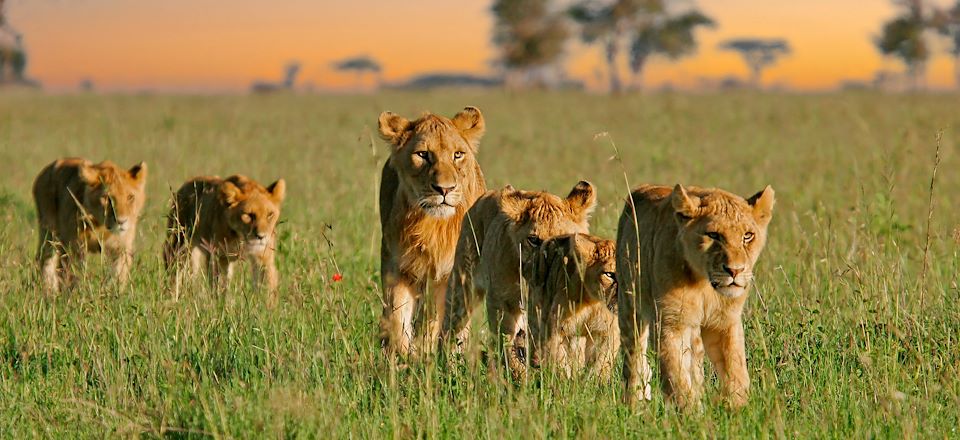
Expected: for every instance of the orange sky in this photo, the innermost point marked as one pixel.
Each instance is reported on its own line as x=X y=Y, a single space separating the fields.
x=210 y=45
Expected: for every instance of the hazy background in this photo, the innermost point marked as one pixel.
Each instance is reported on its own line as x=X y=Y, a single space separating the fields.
x=218 y=45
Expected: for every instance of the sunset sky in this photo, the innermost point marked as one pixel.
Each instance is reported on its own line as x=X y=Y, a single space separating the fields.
x=221 y=45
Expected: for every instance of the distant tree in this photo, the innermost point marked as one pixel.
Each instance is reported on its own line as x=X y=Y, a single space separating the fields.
x=530 y=37
x=671 y=37
x=360 y=65
x=642 y=22
x=904 y=37
x=947 y=24
x=757 y=53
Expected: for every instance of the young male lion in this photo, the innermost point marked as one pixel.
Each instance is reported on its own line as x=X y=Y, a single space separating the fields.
x=223 y=221
x=573 y=296
x=687 y=271
x=501 y=233
x=427 y=185
x=84 y=207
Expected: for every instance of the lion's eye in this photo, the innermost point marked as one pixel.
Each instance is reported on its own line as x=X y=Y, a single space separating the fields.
x=458 y=155
x=425 y=155
x=270 y=216
x=534 y=241
x=130 y=198
x=714 y=236
x=748 y=237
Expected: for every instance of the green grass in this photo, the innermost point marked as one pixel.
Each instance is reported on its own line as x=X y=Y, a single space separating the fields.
x=838 y=342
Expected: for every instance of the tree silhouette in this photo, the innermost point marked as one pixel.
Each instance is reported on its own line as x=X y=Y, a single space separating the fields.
x=903 y=37
x=529 y=36
x=947 y=24
x=610 y=22
x=671 y=37
x=360 y=65
x=757 y=53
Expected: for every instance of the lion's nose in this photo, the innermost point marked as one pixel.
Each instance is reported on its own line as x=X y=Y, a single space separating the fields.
x=261 y=236
x=733 y=271
x=443 y=190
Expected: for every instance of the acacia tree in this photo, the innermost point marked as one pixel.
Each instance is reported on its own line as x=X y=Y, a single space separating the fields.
x=671 y=37
x=947 y=24
x=609 y=22
x=530 y=37
x=904 y=37
x=647 y=24
x=360 y=65
x=757 y=53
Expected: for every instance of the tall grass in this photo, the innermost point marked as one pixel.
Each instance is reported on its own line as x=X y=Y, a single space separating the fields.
x=838 y=341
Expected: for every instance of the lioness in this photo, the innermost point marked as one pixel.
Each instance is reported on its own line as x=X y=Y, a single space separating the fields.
x=687 y=271
x=427 y=185
x=573 y=297
x=85 y=207
x=501 y=232
x=223 y=221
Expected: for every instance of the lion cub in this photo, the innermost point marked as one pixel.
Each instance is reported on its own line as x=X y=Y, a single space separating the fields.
x=685 y=274
x=501 y=233
x=223 y=221
x=573 y=296
x=84 y=207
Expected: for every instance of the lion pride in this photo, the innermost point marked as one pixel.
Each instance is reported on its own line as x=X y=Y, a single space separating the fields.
x=573 y=305
x=685 y=260
x=223 y=221
x=85 y=207
x=430 y=180
x=501 y=233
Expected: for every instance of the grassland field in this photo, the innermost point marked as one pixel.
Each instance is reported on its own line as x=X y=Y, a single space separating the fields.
x=848 y=336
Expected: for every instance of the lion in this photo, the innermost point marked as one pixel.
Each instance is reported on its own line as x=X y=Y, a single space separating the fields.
x=223 y=221
x=429 y=182
x=502 y=232
x=85 y=207
x=689 y=267
x=573 y=303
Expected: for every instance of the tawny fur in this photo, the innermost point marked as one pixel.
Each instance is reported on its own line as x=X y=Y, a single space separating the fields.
x=217 y=222
x=573 y=301
x=501 y=233
x=84 y=207
x=683 y=282
x=429 y=182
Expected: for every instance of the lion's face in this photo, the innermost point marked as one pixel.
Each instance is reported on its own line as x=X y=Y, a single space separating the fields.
x=434 y=157
x=538 y=216
x=113 y=197
x=722 y=235
x=584 y=265
x=253 y=211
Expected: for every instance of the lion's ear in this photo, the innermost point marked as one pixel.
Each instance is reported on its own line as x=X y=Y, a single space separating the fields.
x=393 y=127
x=89 y=174
x=685 y=205
x=138 y=173
x=582 y=199
x=762 y=203
x=278 y=190
x=512 y=204
x=470 y=124
x=229 y=193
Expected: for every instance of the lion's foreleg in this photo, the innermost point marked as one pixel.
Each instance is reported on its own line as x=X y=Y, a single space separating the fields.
x=434 y=305
x=396 y=322
x=265 y=275
x=48 y=258
x=728 y=356
x=675 y=353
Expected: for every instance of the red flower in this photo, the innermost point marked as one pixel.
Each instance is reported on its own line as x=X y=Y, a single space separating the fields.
x=337 y=277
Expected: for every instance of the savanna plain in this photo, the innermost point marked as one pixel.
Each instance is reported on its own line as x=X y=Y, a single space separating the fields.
x=852 y=326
